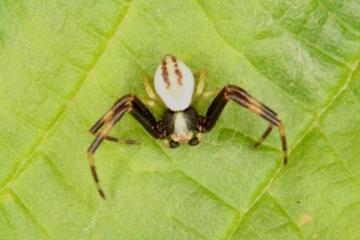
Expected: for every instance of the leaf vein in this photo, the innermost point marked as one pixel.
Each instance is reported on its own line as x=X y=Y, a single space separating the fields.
x=296 y=101
x=306 y=42
x=61 y=112
x=188 y=228
x=340 y=159
x=28 y=213
x=301 y=138
x=345 y=24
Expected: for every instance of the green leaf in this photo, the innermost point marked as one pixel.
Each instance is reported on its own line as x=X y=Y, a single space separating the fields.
x=63 y=64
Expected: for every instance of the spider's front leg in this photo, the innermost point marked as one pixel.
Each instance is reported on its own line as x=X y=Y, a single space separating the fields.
x=103 y=126
x=104 y=120
x=242 y=98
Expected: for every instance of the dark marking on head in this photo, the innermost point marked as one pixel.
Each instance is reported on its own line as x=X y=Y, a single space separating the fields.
x=191 y=117
x=165 y=73
x=166 y=125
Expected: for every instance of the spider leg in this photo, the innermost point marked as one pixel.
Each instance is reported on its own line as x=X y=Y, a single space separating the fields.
x=95 y=144
x=201 y=83
x=148 y=89
x=153 y=100
x=245 y=100
x=262 y=106
x=200 y=92
x=137 y=109
x=103 y=121
x=122 y=141
x=264 y=136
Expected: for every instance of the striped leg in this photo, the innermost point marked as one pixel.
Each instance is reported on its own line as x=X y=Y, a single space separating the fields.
x=137 y=109
x=264 y=136
x=104 y=120
x=264 y=109
x=245 y=100
x=96 y=143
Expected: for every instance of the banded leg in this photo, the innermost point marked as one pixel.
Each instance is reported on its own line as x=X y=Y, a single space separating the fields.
x=95 y=144
x=270 y=127
x=121 y=141
x=103 y=121
x=245 y=100
x=137 y=109
x=264 y=136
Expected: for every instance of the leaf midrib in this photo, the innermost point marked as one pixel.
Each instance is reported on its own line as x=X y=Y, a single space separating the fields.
x=60 y=113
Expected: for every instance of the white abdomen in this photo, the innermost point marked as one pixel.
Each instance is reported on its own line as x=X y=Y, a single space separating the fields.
x=174 y=83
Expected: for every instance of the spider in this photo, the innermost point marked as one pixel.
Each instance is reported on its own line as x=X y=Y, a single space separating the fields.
x=180 y=123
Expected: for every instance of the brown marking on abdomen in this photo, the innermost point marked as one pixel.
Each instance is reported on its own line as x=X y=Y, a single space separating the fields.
x=165 y=73
x=177 y=71
x=173 y=58
x=179 y=75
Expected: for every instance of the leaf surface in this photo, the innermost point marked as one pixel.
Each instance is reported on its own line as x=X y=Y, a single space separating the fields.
x=64 y=63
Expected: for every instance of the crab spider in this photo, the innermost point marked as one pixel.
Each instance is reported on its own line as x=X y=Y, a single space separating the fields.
x=180 y=123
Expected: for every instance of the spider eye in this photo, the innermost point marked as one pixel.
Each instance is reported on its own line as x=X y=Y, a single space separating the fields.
x=174 y=83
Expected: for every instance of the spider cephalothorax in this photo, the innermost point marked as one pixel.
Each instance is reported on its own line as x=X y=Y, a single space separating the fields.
x=174 y=84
